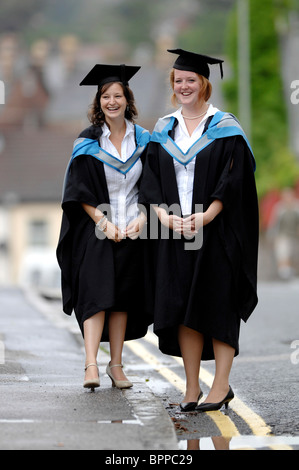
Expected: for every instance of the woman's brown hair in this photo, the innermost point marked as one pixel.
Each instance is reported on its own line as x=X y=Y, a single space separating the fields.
x=96 y=115
x=206 y=89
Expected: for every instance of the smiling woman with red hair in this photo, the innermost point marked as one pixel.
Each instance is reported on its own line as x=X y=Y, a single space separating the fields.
x=205 y=89
x=200 y=164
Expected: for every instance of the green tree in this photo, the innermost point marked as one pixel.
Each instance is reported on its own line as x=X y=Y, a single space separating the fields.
x=205 y=29
x=276 y=165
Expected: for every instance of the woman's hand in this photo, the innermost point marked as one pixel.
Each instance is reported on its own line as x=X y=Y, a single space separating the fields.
x=113 y=232
x=170 y=221
x=135 y=228
x=174 y=222
x=186 y=227
x=192 y=224
x=189 y=226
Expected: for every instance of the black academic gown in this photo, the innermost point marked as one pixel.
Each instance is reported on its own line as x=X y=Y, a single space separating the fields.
x=98 y=274
x=210 y=289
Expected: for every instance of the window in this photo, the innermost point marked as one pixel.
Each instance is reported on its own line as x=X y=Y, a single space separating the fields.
x=38 y=233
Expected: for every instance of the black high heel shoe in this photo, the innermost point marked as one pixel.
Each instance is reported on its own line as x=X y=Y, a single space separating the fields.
x=216 y=406
x=191 y=405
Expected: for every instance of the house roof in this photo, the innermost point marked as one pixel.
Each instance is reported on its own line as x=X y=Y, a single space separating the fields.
x=33 y=164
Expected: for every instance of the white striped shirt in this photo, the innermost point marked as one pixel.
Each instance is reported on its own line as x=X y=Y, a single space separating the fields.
x=185 y=174
x=123 y=190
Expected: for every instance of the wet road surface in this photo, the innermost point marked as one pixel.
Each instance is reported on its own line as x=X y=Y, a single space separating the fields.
x=263 y=415
x=265 y=379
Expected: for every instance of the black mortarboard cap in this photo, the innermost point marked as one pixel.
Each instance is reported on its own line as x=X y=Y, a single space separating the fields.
x=193 y=62
x=102 y=73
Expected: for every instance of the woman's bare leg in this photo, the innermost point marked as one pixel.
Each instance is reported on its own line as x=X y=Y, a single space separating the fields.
x=117 y=331
x=224 y=356
x=191 y=345
x=93 y=329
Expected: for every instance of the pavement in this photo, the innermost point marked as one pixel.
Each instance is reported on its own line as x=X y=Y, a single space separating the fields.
x=43 y=404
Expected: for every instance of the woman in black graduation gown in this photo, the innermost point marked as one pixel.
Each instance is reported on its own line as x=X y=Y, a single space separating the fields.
x=99 y=251
x=200 y=166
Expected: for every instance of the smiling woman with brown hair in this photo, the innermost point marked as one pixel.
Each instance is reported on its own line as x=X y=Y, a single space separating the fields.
x=99 y=251
x=96 y=114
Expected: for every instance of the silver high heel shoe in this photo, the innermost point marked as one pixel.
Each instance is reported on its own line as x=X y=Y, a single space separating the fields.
x=93 y=383
x=118 y=383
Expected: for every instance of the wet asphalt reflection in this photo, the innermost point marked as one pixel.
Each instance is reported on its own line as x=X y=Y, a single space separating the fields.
x=239 y=427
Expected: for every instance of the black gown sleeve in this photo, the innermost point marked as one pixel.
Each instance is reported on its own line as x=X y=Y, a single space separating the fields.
x=239 y=222
x=150 y=189
x=84 y=184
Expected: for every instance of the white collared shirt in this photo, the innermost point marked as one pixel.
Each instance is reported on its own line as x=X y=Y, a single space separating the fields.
x=122 y=189
x=185 y=174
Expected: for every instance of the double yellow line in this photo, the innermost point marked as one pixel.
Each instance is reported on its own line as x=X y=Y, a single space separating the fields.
x=222 y=421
